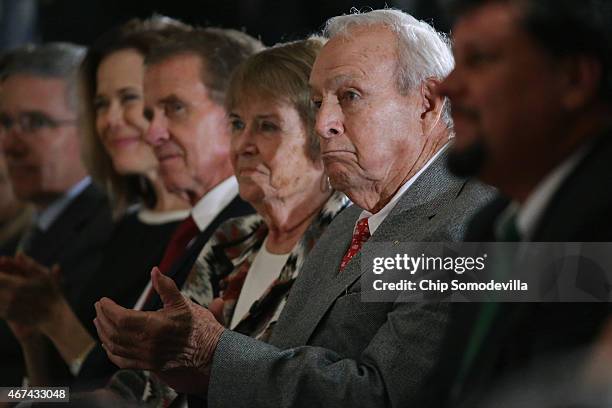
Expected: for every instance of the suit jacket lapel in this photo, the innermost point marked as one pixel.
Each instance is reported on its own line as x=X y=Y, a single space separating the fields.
x=406 y=222
x=419 y=204
x=582 y=195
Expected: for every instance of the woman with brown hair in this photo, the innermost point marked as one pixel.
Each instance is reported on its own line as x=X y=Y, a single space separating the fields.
x=146 y=212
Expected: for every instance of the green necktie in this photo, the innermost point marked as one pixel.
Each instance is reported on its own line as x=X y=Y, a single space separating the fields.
x=507 y=232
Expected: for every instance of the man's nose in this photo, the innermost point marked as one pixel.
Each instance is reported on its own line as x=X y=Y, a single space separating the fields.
x=157 y=132
x=329 y=120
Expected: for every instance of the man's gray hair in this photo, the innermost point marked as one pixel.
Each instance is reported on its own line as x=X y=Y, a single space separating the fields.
x=56 y=60
x=422 y=51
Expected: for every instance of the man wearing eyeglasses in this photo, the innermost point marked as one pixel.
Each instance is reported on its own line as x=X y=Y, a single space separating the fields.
x=39 y=134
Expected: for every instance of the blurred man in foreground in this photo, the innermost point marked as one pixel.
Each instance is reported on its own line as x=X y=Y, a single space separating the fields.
x=532 y=106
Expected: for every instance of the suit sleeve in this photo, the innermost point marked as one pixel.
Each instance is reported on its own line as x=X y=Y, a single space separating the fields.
x=249 y=373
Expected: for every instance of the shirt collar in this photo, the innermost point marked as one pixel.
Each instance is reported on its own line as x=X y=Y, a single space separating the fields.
x=213 y=202
x=374 y=220
x=46 y=217
x=528 y=214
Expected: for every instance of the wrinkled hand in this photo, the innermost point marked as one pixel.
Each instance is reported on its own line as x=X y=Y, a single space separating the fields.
x=216 y=307
x=177 y=342
x=28 y=290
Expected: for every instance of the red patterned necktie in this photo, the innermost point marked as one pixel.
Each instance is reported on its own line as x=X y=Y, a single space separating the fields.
x=183 y=234
x=360 y=235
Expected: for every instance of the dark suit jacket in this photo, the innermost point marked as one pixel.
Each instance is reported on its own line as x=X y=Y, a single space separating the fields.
x=180 y=270
x=331 y=349
x=75 y=241
x=523 y=334
x=97 y=368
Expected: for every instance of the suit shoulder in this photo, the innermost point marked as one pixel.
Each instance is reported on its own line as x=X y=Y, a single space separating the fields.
x=452 y=222
x=475 y=193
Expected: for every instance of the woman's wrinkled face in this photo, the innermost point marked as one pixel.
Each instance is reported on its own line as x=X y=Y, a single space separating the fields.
x=120 y=122
x=269 y=151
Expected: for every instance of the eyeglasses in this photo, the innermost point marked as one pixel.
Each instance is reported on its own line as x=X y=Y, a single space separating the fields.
x=31 y=122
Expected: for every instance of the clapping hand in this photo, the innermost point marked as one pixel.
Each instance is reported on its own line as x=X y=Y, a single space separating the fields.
x=176 y=342
x=29 y=291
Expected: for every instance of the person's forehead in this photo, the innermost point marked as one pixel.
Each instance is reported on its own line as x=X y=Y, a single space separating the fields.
x=25 y=92
x=187 y=67
x=173 y=75
x=252 y=104
x=364 y=52
x=491 y=22
x=119 y=63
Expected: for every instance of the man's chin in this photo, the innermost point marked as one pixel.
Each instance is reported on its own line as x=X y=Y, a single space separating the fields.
x=339 y=180
x=467 y=161
x=174 y=185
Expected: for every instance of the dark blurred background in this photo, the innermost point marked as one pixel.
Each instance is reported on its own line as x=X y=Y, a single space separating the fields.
x=81 y=21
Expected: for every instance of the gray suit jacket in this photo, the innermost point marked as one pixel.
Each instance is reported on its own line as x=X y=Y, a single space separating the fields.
x=329 y=348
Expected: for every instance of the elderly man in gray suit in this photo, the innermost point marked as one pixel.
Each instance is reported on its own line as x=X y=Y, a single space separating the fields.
x=383 y=132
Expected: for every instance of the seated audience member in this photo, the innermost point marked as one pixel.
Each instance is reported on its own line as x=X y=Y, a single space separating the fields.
x=250 y=263
x=532 y=103
x=112 y=79
x=40 y=136
x=383 y=134
x=14 y=215
x=112 y=76
x=185 y=81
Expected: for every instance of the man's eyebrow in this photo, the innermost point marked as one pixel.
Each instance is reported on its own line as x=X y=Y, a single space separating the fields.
x=332 y=83
x=338 y=80
x=263 y=116
x=171 y=99
x=127 y=89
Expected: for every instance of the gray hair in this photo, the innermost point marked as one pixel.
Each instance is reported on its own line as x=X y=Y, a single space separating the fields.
x=52 y=60
x=422 y=51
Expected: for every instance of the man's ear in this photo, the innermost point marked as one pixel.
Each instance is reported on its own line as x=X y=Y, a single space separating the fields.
x=581 y=81
x=432 y=104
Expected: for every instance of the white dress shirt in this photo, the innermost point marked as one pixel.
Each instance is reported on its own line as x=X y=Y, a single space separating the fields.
x=207 y=209
x=374 y=220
